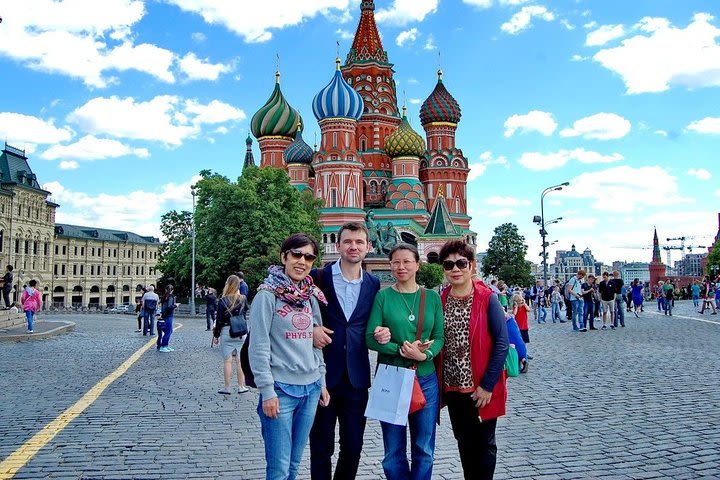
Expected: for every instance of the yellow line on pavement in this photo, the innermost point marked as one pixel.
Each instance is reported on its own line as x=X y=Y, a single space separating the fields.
x=21 y=456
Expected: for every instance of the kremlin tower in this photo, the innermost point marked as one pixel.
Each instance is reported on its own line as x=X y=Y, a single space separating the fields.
x=657 y=268
x=274 y=125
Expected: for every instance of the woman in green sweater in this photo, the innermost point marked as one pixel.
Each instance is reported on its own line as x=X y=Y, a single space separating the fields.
x=398 y=308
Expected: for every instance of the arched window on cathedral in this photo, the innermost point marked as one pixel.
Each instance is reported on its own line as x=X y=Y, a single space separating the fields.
x=363 y=144
x=373 y=188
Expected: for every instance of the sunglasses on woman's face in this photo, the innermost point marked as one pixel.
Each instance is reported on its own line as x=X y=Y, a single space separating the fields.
x=461 y=263
x=297 y=255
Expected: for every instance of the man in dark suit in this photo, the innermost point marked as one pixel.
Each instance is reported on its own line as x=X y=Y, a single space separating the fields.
x=350 y=292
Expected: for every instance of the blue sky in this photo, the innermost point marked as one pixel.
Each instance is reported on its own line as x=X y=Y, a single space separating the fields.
x=120 y=103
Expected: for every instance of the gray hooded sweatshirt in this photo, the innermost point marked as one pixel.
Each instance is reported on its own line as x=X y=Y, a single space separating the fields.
x=282 y=349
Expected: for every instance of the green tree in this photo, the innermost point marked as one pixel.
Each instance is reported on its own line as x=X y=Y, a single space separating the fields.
x=713 y=265
x=174 y=258
x=505 y=257
x=241 y=225
x=430 y=275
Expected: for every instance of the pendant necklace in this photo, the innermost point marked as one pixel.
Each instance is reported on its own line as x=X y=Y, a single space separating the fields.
x=411 y=317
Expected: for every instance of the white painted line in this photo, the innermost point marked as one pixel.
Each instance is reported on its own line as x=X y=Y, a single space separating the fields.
x=687 y=318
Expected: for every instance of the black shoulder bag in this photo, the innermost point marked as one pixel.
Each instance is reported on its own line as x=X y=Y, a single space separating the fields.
x=238 y=324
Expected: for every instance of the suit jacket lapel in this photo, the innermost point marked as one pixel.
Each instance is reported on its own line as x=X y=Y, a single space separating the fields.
x=330 y=293
x=364 y=292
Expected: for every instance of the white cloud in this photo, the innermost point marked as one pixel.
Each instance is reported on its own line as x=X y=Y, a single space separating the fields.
x=430 y=43
x=253 y=23
x=568 y=26
x=604 y=34
x=477 y=169
x=415 y=101
x=412 y=81
x=706 y=125
x=408 y=36
x=489 y=3
x=601 y=126
x=590 y=25
x=501 y=213
x=201 y=69
x=16 y=129
x=547 y=161
x=137 y=211
x=717 y=193
x=198 y=37
x=90 y=147
x=523 y=19
x=578 y=58
x=402 y=12
x=533 y=121
x=662 y=56
x=699 y=173
x=68 y=165
x=165 y=118
x=507 y=201
x=662 y=133
x=344 y=34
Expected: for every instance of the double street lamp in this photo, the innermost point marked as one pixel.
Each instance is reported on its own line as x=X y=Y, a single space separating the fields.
x=540 y=220
x=193 y=192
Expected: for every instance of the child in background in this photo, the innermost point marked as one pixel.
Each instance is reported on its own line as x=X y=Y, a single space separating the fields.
x=502 y=296
x=520 y=312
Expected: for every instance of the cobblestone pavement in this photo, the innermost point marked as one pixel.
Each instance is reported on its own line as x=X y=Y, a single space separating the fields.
x=639 y=402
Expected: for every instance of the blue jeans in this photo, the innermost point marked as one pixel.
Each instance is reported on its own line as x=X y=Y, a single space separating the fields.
x=209 y=318
x=148 y=322
x=542 y=314
x=696 y=300
x=285 y=437
x=619 y=312
x=589 y=314
x=555 y=312
x=578 y=310
x=29 y=316
x=422 y=438
x=661 y=303
x=165 y=331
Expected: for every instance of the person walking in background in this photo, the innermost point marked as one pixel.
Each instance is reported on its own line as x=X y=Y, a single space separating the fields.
x=399 y=308
x=473 y=381
x=620 y=293
x=637 y=296
x=31 y=303
x=574 y=290
x=658 y=292
x=556 y=299
x=149 y=303
x=502 y=295
x=243 y=288
x=588 y=296
x=541 y=301
x=668 y=292
x=289 y=372
x=7 y=287
x=350 y=292
x=607 y=298
x=695 y=291
x=210 y=308
x=232 y=303
x=520 y=313
x=165 y=323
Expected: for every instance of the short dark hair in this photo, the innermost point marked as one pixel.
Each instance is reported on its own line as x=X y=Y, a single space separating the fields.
x=298 y=240
x=33 y=283
x=353 y=227
x=240 y=275
x=456 y=246
x=405 y=246
x=9 y=268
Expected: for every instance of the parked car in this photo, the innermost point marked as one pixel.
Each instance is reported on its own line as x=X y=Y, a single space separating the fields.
x=119 y=309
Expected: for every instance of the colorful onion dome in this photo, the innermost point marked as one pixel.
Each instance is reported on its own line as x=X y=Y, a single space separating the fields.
x=276 y=117
x=404 y=141
x=299 y=151
x=440 y=106
x=338 y=99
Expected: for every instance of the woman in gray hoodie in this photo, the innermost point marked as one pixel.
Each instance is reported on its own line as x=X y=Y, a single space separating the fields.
x=289 y=372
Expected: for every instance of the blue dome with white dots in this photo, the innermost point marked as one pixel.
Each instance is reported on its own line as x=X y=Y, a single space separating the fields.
x=338 y=99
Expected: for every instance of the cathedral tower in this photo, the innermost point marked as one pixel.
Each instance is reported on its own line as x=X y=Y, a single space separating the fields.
x=274 y=125
x=657 y=268
x=444 y=167
x=368 y=71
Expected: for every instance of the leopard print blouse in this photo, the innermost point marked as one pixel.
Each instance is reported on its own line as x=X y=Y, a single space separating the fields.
x=457 y=374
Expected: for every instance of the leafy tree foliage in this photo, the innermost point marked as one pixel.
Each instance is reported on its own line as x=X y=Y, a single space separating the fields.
x=505 y=257
x=174 y=258
x=713 y=264
x=430 y=275
x=241 y=225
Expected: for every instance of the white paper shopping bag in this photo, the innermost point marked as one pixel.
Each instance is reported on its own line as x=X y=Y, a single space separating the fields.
x=390 y=394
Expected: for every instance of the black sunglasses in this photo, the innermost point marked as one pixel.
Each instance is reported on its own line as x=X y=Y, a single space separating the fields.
x=297 y=255
x=460 y=262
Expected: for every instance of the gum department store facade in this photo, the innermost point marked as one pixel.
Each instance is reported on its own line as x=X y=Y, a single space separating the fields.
x=74 y=266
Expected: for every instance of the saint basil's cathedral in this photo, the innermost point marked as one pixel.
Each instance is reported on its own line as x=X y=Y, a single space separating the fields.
x=371 y=166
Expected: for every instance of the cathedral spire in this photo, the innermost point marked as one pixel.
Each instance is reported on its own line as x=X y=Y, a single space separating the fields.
x=249 y=159
x=656 y=249
x=367 y=46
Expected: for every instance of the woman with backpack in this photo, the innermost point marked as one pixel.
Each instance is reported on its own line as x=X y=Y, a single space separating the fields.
x=165 y=322
x=231 y=304
x=31 y=303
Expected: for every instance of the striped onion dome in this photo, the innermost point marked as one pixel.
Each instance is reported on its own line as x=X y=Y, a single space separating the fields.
x=440 y=106
x=276 y=117
x=299 y=151
x=338 y=99
x=404 y=142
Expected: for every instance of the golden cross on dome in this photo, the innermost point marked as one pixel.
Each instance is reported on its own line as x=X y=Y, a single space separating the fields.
x=440 y=191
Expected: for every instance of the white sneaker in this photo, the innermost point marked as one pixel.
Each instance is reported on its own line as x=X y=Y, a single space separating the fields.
x=29 y=331
x=243 y=389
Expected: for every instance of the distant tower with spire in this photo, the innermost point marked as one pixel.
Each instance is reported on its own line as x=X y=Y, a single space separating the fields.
x=274 y=125
x=249 y=159
x=444 y=166
x=657 y=268
x=370 y=73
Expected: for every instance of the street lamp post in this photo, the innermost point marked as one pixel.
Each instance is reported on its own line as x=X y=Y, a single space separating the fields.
x=541 y=221
x=193 y=192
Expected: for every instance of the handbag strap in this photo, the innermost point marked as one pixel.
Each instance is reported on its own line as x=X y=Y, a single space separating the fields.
x=421 y=318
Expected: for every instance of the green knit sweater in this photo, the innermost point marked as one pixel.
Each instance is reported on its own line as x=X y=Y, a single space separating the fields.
x=389 y=310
